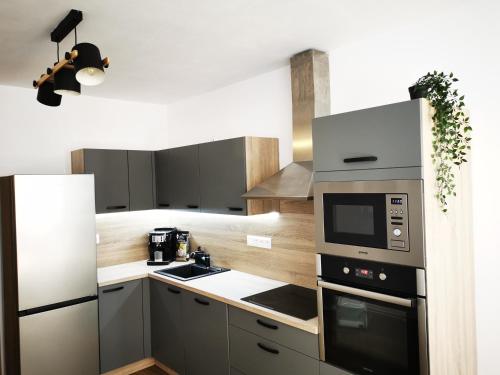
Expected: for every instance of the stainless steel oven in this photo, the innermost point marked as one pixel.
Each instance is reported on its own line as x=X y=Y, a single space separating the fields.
x=373 y=220
x=372 y=317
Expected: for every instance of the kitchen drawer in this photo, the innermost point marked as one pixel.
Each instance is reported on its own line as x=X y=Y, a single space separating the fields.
x=389 y=133
x=280 y=333
x=254 y=355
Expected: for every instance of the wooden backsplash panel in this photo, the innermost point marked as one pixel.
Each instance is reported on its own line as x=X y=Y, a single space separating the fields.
x=123 y=238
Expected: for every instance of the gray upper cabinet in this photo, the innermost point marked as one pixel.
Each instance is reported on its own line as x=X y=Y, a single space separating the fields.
x=178 y=179
x=141 y=180
x=223 y=176
x=162 y=179
x=206 y=327
x=124 y=180
x=374 y=138
x=167 y=330
x=121 y=332
x=184 y=178
x=110 y=168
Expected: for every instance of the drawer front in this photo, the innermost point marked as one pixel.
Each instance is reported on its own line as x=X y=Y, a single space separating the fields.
x=381 y=137
x=254 y=355
x=236 y=372
x=280 y=333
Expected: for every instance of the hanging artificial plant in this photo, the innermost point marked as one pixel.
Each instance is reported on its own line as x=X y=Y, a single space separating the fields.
x=451 y=130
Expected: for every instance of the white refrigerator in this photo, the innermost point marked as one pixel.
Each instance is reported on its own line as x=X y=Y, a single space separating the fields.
x=49 y=275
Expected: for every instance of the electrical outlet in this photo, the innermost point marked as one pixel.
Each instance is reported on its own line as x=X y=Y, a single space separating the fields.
x=259 y=241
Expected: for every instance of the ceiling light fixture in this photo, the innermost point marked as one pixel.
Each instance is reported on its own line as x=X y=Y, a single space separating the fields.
x=83 y=65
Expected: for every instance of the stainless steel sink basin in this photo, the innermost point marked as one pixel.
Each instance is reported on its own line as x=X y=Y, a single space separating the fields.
x=190 y=271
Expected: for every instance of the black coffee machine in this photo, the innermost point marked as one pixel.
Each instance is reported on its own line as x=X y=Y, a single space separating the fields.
x=162 y=246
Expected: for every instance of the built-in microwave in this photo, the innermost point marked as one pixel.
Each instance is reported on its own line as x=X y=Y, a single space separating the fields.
x=373 y=220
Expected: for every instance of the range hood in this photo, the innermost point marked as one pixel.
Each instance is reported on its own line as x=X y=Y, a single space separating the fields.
x=310 y=74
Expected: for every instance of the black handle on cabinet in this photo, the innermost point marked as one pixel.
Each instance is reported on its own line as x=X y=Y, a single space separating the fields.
x=174 y=291
x=360 y=159
x=201 y=302
x=163 y=204
x=115 y=207
x=235 y=208
x=192 y=206
x=267 y=325
x=268 y=349
x=113 y=289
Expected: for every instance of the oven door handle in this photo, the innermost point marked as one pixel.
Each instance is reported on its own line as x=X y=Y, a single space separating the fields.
x=368 y=294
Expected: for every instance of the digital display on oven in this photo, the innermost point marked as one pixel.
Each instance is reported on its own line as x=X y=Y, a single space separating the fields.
x=364 y=273
x=398 y=201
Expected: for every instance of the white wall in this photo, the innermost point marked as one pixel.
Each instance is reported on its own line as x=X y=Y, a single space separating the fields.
x=378 y=71
x=38 y=139
x=261 y=106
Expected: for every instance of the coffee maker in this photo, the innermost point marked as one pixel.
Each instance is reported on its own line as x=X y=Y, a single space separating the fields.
x=162 y=246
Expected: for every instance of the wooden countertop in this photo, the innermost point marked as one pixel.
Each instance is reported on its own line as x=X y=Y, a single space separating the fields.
x=228 y=287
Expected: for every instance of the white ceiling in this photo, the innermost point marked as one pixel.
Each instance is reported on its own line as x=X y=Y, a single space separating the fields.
x=165 y=50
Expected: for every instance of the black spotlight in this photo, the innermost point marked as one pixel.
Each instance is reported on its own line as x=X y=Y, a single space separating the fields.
x=88 y=65
x=65 y=82
x=46 y=95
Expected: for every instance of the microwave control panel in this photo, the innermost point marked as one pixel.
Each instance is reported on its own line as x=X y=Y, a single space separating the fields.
x=397 y=222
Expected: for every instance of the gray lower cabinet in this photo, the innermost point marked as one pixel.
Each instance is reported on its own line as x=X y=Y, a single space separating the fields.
x=141 y=180
x=254 y=355
x=293 y=338
x=110 y=168
x=223 y=176
x=167 y=330
x=121 y=331
x=375 y=138
x=206 y=333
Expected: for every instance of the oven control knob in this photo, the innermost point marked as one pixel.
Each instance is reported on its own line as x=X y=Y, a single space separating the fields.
x=382 y=276
x=346 y=270
x=397 y=232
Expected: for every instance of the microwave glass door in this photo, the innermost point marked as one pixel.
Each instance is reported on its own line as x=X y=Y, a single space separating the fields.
x=355 y=219
x=366 y=336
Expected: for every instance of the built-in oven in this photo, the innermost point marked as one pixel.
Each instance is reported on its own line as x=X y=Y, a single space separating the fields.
x=372 y=317
x=373 y=220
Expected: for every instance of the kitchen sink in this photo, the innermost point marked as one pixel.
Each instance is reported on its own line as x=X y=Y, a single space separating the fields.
x=190 y=271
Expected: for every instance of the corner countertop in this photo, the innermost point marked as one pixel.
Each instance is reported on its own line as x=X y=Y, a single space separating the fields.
x=228 y=287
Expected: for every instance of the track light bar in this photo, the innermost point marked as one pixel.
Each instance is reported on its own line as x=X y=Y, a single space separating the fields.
x=69 y=22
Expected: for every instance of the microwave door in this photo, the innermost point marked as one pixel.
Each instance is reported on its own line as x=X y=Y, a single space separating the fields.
x=369 y=333
x=355 y=219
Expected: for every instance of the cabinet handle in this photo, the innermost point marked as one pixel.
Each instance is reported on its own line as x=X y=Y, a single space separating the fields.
x=235 y=208
x=360 y=159
x=115 y=207
x=267 y=325
x=192 y=206
x=201 y=302
x=174 y=291
x=268 y=349
x=163 y=204
x=113 y=289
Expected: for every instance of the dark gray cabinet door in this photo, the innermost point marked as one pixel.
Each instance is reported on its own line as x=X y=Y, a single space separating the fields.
x=141 y=180
x=162 y=179
x=183 y=181
x=110 y=168
x=167 y=331
x=206 y=326
x=223 y=176
x=120 y=325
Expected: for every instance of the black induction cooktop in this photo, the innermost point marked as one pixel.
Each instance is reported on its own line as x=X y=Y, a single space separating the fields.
x=289 y=299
